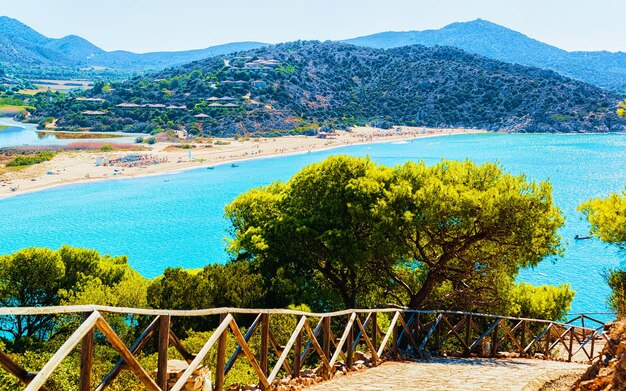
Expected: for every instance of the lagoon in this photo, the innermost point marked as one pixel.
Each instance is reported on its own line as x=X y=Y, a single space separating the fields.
x=16 y=134
x=177 y=219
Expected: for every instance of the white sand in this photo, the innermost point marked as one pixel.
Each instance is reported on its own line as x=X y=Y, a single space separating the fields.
x=78 y=167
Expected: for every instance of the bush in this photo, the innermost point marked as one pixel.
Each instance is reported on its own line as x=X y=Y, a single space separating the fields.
x=139 y=140
x=106 y=148
x=31 y=159
x=151 y=140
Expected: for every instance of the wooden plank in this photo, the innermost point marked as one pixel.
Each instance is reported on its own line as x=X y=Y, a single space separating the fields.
x=368 y=342
x=468 y=331
x=297 y=351
x=483 y=335
x=511 y=337
x=40 y=379
x=360 y=333
x=571 y=344
x=163 y=345
x=279 y=351
x=388 y=334
x=494 y=339
x=429 y=333
x=202 y=354
x=335 y=343
x=16 y=370
x=265 y=331
x=285 y=352
x=326 y=344
x=309 y=345
x=246 y=350
x=137 y=345
x=456 y=328
x=221 y=357
x=123 y=351
x=342 y=341
x=317 y=346
x=176 y=342
x=405 y=327
x=375 y=331
x=233 y=358
x=86 y=361
x=455 y=333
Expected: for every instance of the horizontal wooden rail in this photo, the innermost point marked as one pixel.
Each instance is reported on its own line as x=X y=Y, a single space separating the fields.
x=311 y=342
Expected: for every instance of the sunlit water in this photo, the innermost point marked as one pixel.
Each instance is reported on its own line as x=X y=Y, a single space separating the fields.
x=18 y=134
x=177 y=220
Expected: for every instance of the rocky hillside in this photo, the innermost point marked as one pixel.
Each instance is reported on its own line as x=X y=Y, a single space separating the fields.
x=609 y=372
x=301 y=87
x=488 y=39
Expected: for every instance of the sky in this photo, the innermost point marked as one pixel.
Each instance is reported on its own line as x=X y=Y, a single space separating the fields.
x=172 y=25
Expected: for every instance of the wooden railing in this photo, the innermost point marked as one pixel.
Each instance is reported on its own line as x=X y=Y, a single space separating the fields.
x=319 y=341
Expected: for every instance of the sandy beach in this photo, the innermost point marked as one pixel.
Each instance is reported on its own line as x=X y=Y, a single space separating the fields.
x=72 y=167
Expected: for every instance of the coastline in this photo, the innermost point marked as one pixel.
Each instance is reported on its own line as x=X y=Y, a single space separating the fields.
x=70 y=168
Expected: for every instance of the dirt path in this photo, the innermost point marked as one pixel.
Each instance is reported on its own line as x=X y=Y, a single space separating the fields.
x=454 y=374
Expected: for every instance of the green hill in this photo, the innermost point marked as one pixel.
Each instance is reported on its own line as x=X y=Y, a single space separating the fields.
x=299 y=87
x=604 y=69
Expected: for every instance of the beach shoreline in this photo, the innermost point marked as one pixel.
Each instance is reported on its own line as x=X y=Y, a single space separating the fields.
x=71 y=168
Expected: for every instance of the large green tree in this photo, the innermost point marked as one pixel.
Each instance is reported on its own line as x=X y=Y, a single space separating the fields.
x=607 y=217
x=372 y=233
x=36 y=277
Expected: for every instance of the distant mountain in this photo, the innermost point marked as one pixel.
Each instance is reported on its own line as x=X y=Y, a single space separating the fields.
x=488 y=39
x=305 y=87
x=22 y=46
x=158 y=60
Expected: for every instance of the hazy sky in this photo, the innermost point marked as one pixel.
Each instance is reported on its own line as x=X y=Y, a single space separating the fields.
x=157 y=25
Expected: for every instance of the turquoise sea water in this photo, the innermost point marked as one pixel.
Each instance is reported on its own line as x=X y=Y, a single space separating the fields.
x=177 y=219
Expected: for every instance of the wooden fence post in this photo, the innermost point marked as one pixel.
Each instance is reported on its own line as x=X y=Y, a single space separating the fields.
x=394 y=343
x=523 y=338
x=86 y=359
x=350 y=350
x=375 y=330
x=163 y=345
x=326 y=342
x=221 y=357
x=265 y=336
x=571 y=344
x=468 y=330
x=494 y=340
x=297 y=351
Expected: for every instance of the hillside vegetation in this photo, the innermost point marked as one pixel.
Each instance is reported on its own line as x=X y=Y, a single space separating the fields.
x=304 y=87
x=601 y=68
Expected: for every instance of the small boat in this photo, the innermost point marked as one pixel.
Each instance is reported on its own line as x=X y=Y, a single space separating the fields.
x=210 y=168
x=578 y=237
x=234 y=165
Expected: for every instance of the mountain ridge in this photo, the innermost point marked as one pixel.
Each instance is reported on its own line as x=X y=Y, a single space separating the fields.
x=601 y=68
x=304 y=87
x=22 y=45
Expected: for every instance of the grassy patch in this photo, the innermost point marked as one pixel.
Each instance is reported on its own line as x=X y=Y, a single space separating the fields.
x=13 y=110
x=29 y=160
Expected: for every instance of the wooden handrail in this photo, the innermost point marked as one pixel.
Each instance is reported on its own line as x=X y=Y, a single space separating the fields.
x=418 y=332
x=78 y=309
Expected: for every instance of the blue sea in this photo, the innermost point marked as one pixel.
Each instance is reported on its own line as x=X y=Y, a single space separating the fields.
x=178 y=219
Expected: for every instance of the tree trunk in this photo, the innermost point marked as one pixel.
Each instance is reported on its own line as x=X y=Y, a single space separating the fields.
x=420 y=297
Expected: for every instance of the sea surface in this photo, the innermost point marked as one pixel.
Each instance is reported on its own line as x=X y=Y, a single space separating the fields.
x=178 y=219
x=19 y=134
